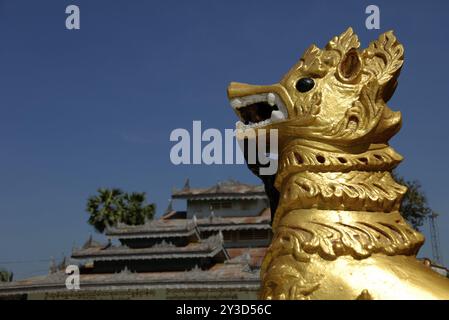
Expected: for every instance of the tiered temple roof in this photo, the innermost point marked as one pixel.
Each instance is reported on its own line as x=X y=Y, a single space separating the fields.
x=210 y=247
x=227 y=281
x=162 y=228
x=172 y=257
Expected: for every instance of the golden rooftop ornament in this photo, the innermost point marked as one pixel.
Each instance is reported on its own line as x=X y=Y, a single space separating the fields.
x=338 y=233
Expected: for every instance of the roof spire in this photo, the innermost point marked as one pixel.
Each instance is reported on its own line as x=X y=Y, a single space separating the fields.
x=186 y=185
x=88 y=243
x=63 y=264
x=53 y=267
x=170 y=206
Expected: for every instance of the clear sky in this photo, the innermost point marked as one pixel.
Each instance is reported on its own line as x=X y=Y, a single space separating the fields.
x=95 y=107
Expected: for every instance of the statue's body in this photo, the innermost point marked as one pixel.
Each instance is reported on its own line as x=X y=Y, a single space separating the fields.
x=338 y=233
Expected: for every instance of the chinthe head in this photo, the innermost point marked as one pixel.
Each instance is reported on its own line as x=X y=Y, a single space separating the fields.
x=336 y=95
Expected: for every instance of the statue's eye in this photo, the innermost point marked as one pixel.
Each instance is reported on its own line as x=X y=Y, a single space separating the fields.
x=305 y=84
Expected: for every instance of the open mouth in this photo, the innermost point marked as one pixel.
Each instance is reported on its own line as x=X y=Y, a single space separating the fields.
x=259 y=110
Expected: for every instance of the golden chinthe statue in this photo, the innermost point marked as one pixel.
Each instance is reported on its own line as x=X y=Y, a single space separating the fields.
x=338 y=233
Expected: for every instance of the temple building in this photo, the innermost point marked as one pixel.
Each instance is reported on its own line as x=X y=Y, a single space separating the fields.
x=211 y=250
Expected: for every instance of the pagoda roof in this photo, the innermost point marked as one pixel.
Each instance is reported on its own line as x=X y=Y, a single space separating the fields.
x=230 y=189
x=175 y=215
x=169 y=228
x=162 y=228
x=221 y=276
x=216 y=223
x=91 y=243
x=211 y=247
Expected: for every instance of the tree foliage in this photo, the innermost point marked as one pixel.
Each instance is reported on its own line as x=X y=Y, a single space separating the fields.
x=112 y=206
x=6 y=276
x=414 y=207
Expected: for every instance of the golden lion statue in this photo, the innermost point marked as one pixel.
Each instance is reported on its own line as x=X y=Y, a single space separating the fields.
x=338 y=233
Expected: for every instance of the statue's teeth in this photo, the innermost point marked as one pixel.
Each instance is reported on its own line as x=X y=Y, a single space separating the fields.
x=271 y=98
x=277 y=115
x=236 y=103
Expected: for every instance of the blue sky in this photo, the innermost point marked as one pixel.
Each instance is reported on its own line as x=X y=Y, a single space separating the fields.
x=95 y=107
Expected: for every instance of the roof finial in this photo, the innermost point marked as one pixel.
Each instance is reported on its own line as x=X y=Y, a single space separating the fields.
x=63 y=264
x=89 y=242
x=170 y=207
x=186 y=185
x=53 y=268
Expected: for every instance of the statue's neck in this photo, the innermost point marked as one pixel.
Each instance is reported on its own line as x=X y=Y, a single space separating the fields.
x=347 y=195
x=299 y=156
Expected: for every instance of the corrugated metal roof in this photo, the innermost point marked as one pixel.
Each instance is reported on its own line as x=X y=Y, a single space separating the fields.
x=226 y=276
x=165 y=228
x=154 y=226
x=205 y=248
x=230 y=189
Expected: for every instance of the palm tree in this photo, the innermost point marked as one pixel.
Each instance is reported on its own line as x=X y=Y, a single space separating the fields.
x=5 y=276
x=112 y=206
x=137 y=212
x=105 y=208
